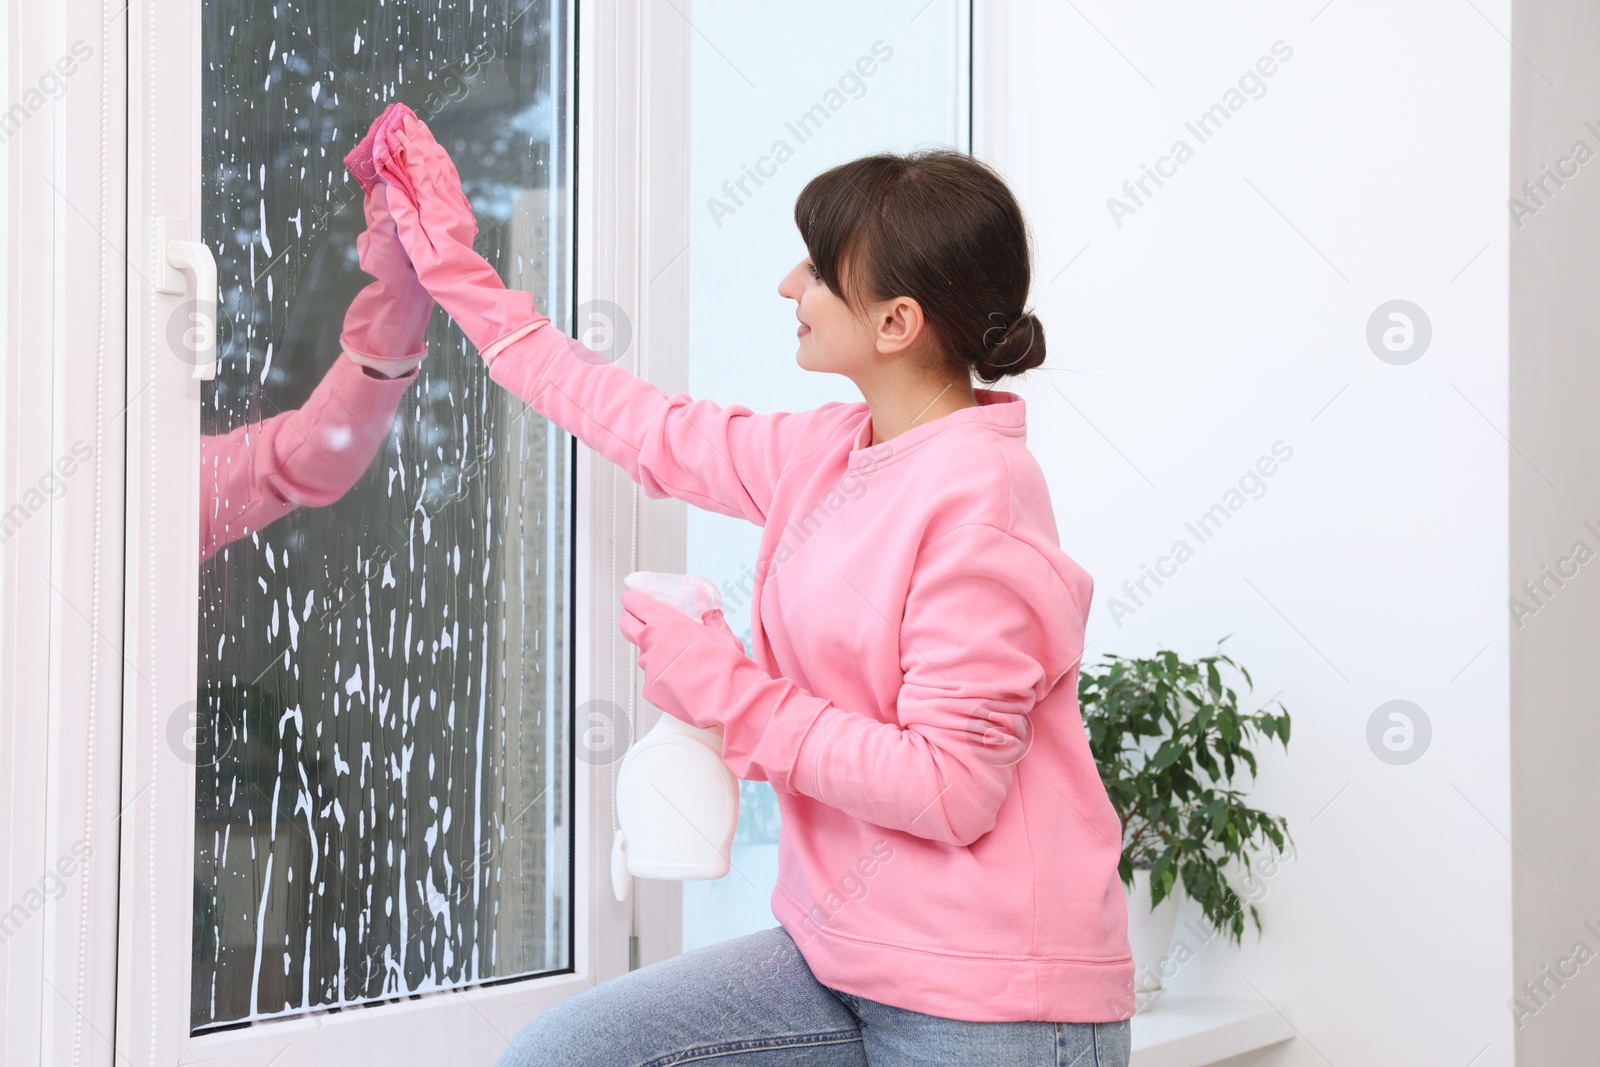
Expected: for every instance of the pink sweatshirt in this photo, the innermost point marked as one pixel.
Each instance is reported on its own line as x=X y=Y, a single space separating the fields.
x=947 y=845
x=312 y=455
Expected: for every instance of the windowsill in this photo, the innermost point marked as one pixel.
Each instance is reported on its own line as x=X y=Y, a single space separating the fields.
x=1184 y=1030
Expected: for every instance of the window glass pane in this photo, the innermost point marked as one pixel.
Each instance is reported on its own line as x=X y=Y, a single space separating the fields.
x=777 y=100
x=382 y=751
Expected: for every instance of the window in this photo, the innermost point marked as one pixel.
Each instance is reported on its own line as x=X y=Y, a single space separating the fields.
x=383 y=787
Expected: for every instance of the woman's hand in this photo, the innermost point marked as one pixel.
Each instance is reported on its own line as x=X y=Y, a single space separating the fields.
x=436 y=227
x=386 y=325
x=676 y=653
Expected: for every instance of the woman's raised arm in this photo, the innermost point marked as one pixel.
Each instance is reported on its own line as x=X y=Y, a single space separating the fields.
x=724 y=459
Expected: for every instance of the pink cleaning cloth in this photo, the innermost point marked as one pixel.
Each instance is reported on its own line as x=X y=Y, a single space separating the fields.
x=373 y=158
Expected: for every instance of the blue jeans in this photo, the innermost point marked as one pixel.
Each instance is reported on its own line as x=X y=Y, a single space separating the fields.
x=754 y=1001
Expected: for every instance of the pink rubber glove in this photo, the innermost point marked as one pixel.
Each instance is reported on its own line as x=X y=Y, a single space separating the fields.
x=386 y=325
x=672 y=643
x=436 y=226
x=698 y=672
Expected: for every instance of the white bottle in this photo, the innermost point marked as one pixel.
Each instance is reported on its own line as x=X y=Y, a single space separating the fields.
x=677 y=802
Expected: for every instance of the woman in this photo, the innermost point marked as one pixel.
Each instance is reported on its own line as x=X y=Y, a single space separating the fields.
x=947 y=888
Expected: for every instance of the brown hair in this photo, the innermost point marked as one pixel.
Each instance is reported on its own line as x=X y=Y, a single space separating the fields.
x=942 y=228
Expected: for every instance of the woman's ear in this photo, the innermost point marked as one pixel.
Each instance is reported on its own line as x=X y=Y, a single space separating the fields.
x=899 y=324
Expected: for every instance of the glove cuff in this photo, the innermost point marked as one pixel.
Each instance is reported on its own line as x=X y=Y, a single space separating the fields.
x=388 y=367
x=496 y=347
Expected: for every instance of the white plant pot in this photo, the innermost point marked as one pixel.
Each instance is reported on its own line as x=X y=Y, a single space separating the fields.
x=1150 y=936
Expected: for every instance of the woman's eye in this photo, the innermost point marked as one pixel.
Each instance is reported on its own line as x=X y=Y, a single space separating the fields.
x=812 y=267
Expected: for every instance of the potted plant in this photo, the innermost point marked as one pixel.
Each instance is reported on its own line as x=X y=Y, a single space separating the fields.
x=1181 y=818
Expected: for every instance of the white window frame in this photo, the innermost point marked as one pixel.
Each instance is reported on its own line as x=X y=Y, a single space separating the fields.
x=93 y=658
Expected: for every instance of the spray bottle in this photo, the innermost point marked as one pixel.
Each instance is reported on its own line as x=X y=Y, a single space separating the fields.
x=677 y=802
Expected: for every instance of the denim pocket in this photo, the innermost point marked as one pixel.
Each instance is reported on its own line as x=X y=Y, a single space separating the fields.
x=1113 y=1043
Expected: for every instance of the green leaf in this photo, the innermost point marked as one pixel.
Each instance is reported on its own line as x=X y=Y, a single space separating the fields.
x=1180 y=814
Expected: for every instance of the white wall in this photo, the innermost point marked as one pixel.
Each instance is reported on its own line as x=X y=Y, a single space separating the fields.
x=1228 y=313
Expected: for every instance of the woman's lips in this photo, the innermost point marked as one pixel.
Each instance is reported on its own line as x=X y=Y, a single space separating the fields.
x=803 y=330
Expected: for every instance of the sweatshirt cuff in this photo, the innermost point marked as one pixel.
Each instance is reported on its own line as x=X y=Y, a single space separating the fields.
x=811 y=743
x=769 y=726
x=521 y=366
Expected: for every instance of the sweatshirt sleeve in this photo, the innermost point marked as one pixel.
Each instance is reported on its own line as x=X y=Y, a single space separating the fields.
x=722 y=459
x=310 y=456
x=989 y=628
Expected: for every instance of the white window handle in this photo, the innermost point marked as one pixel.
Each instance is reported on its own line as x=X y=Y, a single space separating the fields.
x=179 y=255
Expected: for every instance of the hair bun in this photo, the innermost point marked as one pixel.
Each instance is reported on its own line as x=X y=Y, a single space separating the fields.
x=1014 y=349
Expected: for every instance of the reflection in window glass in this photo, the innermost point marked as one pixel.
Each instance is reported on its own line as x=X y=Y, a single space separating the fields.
x=384 y=802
